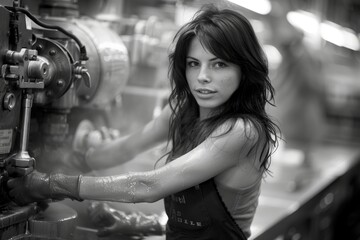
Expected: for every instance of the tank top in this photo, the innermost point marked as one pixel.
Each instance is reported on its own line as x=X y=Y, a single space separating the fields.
x=199 y=213
x=241 y=203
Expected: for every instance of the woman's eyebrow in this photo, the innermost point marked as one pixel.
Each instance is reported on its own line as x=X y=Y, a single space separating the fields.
x=211 y=59
x=191 y=57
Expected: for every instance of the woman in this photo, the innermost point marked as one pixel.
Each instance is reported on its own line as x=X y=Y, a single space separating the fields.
x=219 y=135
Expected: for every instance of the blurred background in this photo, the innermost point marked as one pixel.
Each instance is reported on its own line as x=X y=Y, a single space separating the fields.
x=313 y=49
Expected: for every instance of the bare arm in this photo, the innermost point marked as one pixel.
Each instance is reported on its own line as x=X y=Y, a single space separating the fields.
x=121 y=150
x=212 y=157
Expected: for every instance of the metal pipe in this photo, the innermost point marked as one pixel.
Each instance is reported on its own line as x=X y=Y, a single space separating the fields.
x=28 y=101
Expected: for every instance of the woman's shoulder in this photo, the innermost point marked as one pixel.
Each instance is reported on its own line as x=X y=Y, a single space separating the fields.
x=243 y=140
x=239 y=126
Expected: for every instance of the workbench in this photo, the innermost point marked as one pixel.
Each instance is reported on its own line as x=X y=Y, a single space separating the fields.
x=304 y=202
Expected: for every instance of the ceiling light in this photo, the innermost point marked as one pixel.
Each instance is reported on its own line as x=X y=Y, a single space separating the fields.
x=262 y=7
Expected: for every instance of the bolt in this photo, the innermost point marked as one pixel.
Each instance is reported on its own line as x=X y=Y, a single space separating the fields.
x=60 y=82
x=9 y=101
x=52 y=52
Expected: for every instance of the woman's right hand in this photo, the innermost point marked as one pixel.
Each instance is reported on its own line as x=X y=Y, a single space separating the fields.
x=37 y=187
x=30 y=188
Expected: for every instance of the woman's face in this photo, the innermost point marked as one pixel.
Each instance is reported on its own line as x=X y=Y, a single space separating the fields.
x=212 y=81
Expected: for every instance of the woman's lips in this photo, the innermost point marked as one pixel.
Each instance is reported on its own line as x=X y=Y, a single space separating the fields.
x=202 y=92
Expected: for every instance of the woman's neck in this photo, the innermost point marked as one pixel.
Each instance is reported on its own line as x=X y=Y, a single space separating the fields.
x=204 y=113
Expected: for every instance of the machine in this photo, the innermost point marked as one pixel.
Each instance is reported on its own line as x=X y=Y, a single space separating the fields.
x=60 y=75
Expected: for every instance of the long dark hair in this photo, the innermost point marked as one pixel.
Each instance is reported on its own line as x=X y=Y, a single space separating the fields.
x=229 y=36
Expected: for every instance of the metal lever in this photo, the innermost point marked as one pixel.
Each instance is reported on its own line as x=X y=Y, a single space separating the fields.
x=22 y=162
x=81 y=72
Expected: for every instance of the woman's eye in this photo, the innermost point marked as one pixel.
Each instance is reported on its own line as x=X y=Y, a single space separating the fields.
x=220 y=64
x=192 y=64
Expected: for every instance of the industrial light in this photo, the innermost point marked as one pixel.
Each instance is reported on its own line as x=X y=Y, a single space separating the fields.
x=340 y=36
x=332 y=32
x=303 y=20
x=329 y=31
x=273 y=55
x=262 y=7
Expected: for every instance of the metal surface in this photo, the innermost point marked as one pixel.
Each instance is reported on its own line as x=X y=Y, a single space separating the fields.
x=59 y=77
x=109 y=65
x=45 y=76
x=22 y=162
x=57 y=221
x=13 y=220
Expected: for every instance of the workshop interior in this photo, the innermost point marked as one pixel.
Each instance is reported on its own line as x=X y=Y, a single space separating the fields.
x=70 y=68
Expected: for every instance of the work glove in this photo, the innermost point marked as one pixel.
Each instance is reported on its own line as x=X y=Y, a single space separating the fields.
x=111 y=221
x=37 y=187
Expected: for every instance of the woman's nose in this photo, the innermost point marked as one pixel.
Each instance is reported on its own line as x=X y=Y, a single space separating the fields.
x=204 y=75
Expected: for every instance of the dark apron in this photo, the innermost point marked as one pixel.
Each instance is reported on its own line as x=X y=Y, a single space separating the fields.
x=199 y=213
